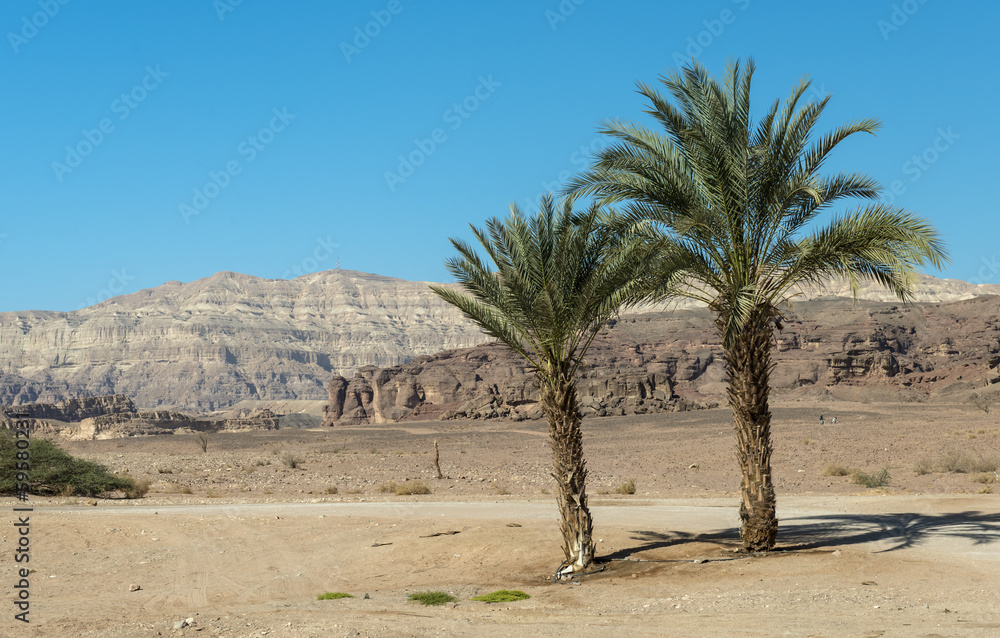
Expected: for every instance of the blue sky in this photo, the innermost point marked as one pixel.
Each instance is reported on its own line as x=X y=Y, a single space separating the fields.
x=145 y=142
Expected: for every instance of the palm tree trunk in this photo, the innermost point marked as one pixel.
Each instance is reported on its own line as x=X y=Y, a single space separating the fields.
x=749 y=364
x=559 y=401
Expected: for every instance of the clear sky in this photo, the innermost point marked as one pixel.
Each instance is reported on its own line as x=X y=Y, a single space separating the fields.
x=143 y=142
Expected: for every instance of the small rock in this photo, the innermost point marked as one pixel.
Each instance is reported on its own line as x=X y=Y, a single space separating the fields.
x=837 y=552
x=693 y=466
x=180 y=624
x=700 y=561
x=134 y=588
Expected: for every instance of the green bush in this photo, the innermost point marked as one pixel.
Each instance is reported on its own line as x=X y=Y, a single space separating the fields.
x=875 y=479
x=432 y=597
x=53 y=471
x=333 y=595
x=503 y=596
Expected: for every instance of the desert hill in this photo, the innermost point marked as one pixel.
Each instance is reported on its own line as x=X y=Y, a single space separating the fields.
x=670 y=361
x=213 y=343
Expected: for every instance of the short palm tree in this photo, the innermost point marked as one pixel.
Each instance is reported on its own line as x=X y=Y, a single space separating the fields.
x=557 y=281
x=731 y=204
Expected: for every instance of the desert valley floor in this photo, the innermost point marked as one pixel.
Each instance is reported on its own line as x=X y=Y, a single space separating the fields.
x=240 y=542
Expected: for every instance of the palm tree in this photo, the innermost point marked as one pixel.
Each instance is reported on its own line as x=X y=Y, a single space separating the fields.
x=731 y=204
x=557 y=281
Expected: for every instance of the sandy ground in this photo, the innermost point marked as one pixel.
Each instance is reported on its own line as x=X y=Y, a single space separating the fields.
x=247 y=551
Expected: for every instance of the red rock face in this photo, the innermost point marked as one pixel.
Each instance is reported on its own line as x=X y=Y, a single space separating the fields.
x=673 y=361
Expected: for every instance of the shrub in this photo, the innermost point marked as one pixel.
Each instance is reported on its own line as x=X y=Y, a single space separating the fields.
x=876 y=479
x=833 y=469
x=923 y=466
x=54 y=471
x=432 y=597
x=503 y=596
x=291 y=460
x=202 y=442
x=139 y=488
x=984 y=477
x=333 y=595
x=628 y=487
x=332 y=489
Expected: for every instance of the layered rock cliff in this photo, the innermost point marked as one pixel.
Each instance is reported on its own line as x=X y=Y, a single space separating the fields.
x=673 y=360
x=211 y=343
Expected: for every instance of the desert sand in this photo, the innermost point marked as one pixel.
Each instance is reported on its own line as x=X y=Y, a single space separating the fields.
x=249 y=549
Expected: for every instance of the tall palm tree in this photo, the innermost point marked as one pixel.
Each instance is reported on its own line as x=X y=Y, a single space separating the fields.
x=731 y=204
x=556 y=282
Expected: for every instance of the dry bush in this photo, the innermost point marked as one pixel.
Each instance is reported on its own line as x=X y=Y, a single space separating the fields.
x=628 y=487
x=957 y=462
x=290 y=460
x=833 y=469
x=177 y=488
x=202 y=440
x=165 y=470
x=139 y=488
x=332 y=489
x=984 y=477
x=407 y=488
x=500 y=488
x=875 y=479
x=924 y=466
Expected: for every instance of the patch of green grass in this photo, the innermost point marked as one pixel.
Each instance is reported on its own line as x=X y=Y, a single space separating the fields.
x=333 y=595
x=503 y=596
x=432 y=597
x=54 y=471
x=875 y=479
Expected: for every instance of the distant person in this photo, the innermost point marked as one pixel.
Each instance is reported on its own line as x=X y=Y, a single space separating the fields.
x=821 y=421
x=833 y=420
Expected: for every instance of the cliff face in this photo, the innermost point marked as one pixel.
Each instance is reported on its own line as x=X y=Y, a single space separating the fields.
x=673 y=360
x=211 y=343
x=112 y=417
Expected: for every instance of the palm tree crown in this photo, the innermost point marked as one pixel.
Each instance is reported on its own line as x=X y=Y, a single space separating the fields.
x=730 y=201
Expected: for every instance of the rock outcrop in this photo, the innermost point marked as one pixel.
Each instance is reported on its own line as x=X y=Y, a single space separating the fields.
x=113 y=417
x=208 y=344
x=669 y=361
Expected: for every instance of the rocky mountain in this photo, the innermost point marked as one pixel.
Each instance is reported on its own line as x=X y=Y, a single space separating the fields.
x=211 y=343
x=230 y=338
x=670 y=361
x=112 y=417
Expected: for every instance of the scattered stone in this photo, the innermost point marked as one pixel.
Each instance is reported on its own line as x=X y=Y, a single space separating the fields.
x=693 y=466
x=513 y=525
x=134 y=588
x=180 y=624
x=837 y=552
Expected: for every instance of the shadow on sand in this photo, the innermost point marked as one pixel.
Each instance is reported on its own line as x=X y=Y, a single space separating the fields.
x=895 y=531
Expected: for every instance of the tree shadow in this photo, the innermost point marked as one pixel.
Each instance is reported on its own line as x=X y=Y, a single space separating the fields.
x=900 y=531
